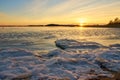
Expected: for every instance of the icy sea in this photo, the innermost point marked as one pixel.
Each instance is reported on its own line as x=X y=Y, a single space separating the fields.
x=30 y=53
x=41 y=39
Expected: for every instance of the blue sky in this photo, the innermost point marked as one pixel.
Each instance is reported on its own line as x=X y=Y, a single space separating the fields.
x=58 y=11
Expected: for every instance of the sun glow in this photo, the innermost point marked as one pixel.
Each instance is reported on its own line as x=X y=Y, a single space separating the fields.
x=82 y=22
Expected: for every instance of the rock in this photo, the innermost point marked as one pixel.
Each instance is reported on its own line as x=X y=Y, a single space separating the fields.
x=73 y=44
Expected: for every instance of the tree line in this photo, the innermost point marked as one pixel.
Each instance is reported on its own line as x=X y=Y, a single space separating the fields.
x=115 y=21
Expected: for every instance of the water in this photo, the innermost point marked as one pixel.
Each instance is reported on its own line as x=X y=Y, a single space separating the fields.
x=42 y=38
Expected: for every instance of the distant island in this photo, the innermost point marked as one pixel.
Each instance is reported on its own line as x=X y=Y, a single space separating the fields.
x=112 y=24
x=47 y=25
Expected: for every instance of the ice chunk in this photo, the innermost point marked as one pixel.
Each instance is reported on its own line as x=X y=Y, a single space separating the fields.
x=80 y=65
x=15 y=73
x=115 y=46
x=5 y=53
x=17 y=64
x=73 y=44
x=58 y=64
x=110 y=60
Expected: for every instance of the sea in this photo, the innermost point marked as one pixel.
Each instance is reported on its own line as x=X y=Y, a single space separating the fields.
x=42 y=39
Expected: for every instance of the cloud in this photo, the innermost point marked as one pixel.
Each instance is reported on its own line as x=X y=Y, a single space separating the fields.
x=42 y=9
x=37 y=11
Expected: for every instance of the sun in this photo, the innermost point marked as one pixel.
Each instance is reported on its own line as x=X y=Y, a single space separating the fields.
x=82 y=22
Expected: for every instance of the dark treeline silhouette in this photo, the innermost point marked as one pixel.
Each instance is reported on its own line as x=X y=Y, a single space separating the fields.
x=112 y=24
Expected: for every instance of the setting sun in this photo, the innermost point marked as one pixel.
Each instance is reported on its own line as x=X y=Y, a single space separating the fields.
x=82 y=21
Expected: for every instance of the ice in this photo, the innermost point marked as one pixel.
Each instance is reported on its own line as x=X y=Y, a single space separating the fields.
x=73 y=44
x=115 y=46
x=110 y=59
x=16 y=64
x=14 y=53
x=75 y=61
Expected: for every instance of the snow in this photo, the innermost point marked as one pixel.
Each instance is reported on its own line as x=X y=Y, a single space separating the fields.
x=74 y=61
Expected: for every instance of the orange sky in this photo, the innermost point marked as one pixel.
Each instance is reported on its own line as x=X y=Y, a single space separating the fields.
x=58 y=11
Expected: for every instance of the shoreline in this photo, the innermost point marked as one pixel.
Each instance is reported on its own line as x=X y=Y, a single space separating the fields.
x=114 y=25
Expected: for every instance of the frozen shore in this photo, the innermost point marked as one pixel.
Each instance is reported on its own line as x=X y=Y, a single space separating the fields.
x=73 y=60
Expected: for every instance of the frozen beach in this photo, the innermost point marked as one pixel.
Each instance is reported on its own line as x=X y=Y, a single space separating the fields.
x=77 y=61
x=59 y=54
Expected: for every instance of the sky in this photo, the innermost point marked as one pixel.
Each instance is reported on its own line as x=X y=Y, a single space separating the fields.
x=58 y=11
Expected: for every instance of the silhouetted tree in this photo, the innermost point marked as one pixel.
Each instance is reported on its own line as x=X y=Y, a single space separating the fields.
x=111 y=22
x=115 y=21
